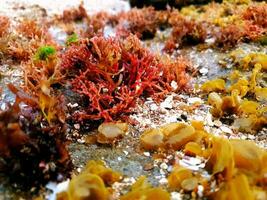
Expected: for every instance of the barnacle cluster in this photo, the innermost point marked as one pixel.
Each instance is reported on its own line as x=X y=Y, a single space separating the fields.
x=246 y=94
x=231 y=163
x=93 y=183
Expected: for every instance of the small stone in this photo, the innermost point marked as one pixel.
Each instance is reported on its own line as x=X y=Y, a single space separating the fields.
x=174 y=85
x=194 y=100
x=166 y=104
x=163 y=181
x=162 y=111
x=147 y=153
x=163 y=166
x=170 y=119
x=73 y=105
x=209 y=120
x=176 y=196
x=226 y=130
x=217 y=123
x=81 y=141
x=153 y=107
x=251 y=137
x=200 y=190
x=203 y=71
x=77 y=126
x=105 y=90
x=162 y=172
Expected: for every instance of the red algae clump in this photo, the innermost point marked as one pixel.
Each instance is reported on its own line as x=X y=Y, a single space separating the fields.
x=112 y=74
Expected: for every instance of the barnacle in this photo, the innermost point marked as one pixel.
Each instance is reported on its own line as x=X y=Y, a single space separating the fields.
x=261 y=94
x=178 y=134
x=178 y=176
x=237 y=188
x=216 y=101
x=249 y=107
x=111 y=131
x=173 y=135
x=91 y=183
x=216 y=85
x=98 y=168
x=248 y=156
x=221 y=159
x=250 y=112
x=239 y=163
x=152 y=139
x=242 y=86
x=193 y=149
x=85 y=186
x=141 y=189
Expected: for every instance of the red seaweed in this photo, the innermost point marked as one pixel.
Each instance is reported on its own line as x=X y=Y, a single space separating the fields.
x=112 y=74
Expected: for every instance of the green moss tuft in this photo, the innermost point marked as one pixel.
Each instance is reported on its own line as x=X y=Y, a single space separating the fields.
x=72 y=39
x=44 y=52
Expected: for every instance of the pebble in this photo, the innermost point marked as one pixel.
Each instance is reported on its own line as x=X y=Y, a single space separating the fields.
x=200 y=190
x=174 y=85
x=81 y=141
x=193 y=100
x=147 y=153
x=209 y=120
x=251 y=137
x=153 y=106
x=129 y=180
x=167 y=103
x=163 y=181
x=176 y=196
x=203 y=71
x=77 y=126
x=57 y=188
x=217 y=123
x=169 y=168
x=226 y=130
x=73 y=105
x=3 y=106
x=170 y=119
x=162 y=172
x=163 y=166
